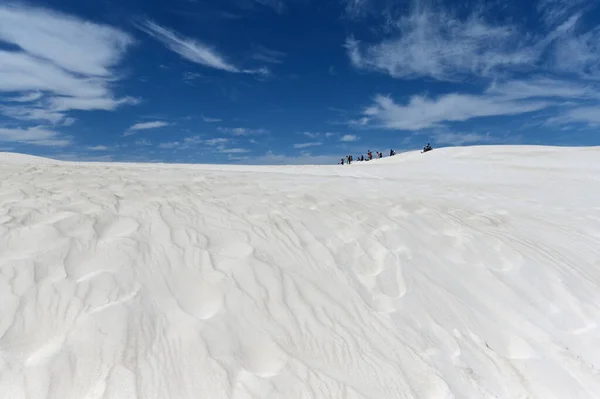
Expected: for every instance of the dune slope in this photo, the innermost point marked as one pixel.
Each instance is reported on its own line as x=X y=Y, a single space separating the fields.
x=461 y=273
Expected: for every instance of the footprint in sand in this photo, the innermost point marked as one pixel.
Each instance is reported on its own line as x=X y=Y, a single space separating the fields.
x=117 y=227
x=259 y=355
x=200 y=300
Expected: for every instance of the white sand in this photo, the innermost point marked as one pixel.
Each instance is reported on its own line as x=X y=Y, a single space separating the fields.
x=461 y=273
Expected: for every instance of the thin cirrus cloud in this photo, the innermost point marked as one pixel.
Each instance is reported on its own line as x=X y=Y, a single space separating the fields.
x=267 y=55
x=210 y=120
x=436 y=43
x=53 y=70
x=242 y=131
x=461 y=138
x=54 y=57
x=347 y=138
x=36 y=135
x=145 y=126
x=561 y=62
x=310 y=144
x=193 y=50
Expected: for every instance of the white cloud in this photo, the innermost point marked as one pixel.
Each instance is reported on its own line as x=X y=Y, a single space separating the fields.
x=349 y=138
x=210 y=120
x=26 y=97
x=311 y=135
x=61 y=63
x=193 y=50
x=37 y=135
x=233 y=150
x=98 y=148
x=190 y=49
x=88 y=104
x=34 y=113
x=306 y=145
x=579 y=54
x=67 y=42
x=421 y=112
x=543 y=88
x=558 y=65
x=145 y=126
x=589 y=115
x=439 y=45
x=435 y=42
x=173 y=144
x=241 y=131
x=554 y=12
x=216 y=141
x=461 y=138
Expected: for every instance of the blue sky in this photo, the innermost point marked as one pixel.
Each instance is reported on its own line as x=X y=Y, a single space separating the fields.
x=293 y=81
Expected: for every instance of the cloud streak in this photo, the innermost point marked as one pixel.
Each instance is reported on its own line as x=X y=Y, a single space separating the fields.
x=193 y=50
x=306 y=145
x=145 y=126
x=37 y=135
x=61 y=63
x=437 y=43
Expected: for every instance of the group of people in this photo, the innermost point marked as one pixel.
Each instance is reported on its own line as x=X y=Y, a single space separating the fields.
x=349 y=158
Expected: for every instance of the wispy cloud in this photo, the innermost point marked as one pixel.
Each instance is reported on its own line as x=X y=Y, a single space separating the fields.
x=241 y=131
x=312 y=135
x=267 y=55
x=98 y=148
x=421 y=112
x=543 y=87
x=145 y=126
x=54 y=58
x=589 y=115
x=306 y=145
x=233 y=150
x=193 y=50
x=461 y=138
x=217 y=141
x=210 y=120
x=26 y=97
x=437 y=43
x=348 y=138
x=215 y=145
x=37 y=135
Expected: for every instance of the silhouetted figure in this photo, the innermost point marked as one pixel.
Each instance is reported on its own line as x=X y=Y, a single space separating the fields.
x=392 y=153
x=427 y=148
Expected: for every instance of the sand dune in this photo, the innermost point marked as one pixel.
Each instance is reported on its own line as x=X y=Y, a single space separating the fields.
x=461 y=273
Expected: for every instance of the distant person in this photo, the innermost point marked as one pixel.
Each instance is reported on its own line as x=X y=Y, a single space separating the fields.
x=381 y=155
x=427 y=148
x=392 y=153
x=370 y=154
x=342 y=161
